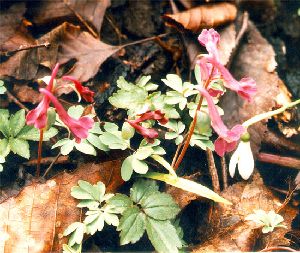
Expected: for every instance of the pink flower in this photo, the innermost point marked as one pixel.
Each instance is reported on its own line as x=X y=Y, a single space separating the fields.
x=85 y=92
x=80 y=127
x=210 y=39
x=148 y=133
x=246 y=87
x=227 y=140
x=38 y=116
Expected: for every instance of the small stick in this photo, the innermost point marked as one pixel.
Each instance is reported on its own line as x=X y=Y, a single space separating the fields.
x=48 y=160
x=52 y=163
x=38 y=166
x=287 y=199
x=82 y=20
x=224 y=173
x=213 y=170
x=16 y=101
x=284 y=161
x=24 y=47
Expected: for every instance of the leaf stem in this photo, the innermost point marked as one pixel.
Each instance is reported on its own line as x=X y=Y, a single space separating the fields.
x=38 y=166
x=267 y=115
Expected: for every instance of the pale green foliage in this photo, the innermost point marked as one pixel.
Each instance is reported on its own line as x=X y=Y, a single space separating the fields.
x=16 y=134
x=2 y=87
x=269 y=221
x=146 y=209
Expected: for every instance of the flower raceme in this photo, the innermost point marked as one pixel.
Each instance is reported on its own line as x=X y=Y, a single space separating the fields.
x=148 y=133
x=80 y=127
x=227 y=139
x=38 y=116
x=210 y=62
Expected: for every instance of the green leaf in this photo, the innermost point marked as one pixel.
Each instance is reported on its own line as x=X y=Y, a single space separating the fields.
x=139 y=166
x=111 y=127
x=141 y=189
x=119 y=203
x=164 y=163
x=160 y=206
x=170 y=135
x=67 y=147
x=31 y=133
x=94 y=222
x=16 y=122
x=96 y=129
x=127 y=169
x=163 y=236
x=95 y=141
x=78 y=193
x=1 y=167
x=4 y=147
x=19 y=147
x=88 y=203
x=77 y=229
x=111 y=219
x=4 y=122
x=76 y=248
x=127 y=131
x=174 y=82
x=113 y=141
x=96 y=191
x=143 y=81
x=51 y=117
x=203 y=123
x=187 y=185
x=143 y=152
x=197 y=72
x=76 y=111
x=85 y=148
x=201 y=141
x=132 y=226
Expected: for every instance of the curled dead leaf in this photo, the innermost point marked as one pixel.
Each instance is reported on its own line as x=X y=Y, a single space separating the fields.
x=204 y=16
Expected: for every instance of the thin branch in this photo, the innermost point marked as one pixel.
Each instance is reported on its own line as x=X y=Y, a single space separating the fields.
x=16 y=101
x=284 y=161
x=213 y=170
x=224 y=173
x=51 y=164
x=24 y=47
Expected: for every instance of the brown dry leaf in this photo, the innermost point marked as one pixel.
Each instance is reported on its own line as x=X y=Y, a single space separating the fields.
x=35 y=219
x=27 y=94
x=254 y=59
x=229 y=231
x=204 y=16
x=54 y=11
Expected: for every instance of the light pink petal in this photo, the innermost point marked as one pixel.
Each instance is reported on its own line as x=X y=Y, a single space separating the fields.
x=210 y=39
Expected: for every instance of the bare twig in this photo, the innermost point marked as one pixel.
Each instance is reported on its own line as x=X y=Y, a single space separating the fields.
x=24 y=47
x=284 y=161
x=81 y=19
x=48 y=160
x=213 y=170
x=224 y=173
x=288 y=198
x=51 y=164
x=16 y=101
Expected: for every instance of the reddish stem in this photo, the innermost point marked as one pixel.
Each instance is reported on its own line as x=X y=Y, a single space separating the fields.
x=38 y=166
x=284 y=161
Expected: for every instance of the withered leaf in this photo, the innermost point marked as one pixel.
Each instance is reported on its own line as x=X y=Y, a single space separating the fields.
x=228 y=231
x=90 y=10
x=27 y=94
x=35 y=219
x=204 y=16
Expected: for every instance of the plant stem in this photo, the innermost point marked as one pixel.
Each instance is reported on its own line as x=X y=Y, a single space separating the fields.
x=267 y=115
x=192 y=126
x=38 y=166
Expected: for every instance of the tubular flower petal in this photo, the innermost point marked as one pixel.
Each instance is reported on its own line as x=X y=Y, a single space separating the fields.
x=78 y=127
x=210 y=39
x=246 y=87
x=38 y=116
x=148 y=133
x=227 y=138
x=156 y=115
x=85 y=92
x=243 y=159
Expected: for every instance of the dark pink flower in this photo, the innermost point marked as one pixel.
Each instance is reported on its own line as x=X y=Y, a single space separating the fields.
x=148 y=133
x=210 y=39
x=79 y=127
x=38 y=116
x=85 y=92
x=227 y=138
x=156 y=115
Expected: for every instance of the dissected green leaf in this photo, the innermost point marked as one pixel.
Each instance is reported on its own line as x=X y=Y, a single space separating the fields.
x=142 y=188
x=163 y=236
x=2 y=87
x=96 y=129
x=127 y=169
x=119 y=203
x=85 y=148
x=139 y=166
x=127 y=131
x=16 y=122
x=114 y=140
x=77 y=230
x=95 y=141
x=132 y=225
x=76 y=111
x=4 y=147
x=19 y=147
x=94 y=221
x=174 y=82
x=31 y=133
x=4 y=122
x=160 y=206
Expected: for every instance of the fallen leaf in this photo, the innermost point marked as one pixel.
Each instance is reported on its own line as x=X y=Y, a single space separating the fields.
x=35 y=219
x=204 y=16
x=27 y=94
x=91 y=11
x=228 y=231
